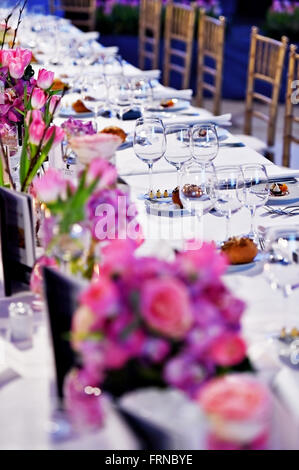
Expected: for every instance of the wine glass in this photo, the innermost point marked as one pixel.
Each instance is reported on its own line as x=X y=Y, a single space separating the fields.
x=198 y=188
x=178 y=146
x=281 y=263
x=142 y=93
x=255 y=192
x=120 y=95
x=94 y=95
x=113 y=66
x=149 y=143
x=229 y=181
x=204 y=143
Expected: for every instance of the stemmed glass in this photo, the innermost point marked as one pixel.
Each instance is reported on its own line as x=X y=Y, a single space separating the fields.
x=149 y=143
x=142 y=93
x=113 y=67
x=204 y=143
x=229 y=181
x=198 y=188
x=120 y=95
x=178 y=146
x=281 y=262
x=94 y=95
x=255 y=192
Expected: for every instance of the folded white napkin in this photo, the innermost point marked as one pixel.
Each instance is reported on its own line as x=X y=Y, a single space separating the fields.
x=108 y=51
x=275 y=171
x=168 y=93
x=149 y=74
x=223 y=121
x=90 y=36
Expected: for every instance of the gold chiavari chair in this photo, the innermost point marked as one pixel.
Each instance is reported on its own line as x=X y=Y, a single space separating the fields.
x=211 y=37
x=292 y=98
x=265 y=65
x=179 y=27
x=149 y=32
x=78 y=8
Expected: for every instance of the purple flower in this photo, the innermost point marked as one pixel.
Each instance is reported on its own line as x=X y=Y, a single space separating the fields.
x=75 y=127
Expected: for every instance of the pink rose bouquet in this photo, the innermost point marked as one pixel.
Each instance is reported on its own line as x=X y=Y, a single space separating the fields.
x=147 y=322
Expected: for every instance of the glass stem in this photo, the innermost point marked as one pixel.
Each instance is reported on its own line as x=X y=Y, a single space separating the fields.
x=150 y=177
x=228 y=219
x=253 y=213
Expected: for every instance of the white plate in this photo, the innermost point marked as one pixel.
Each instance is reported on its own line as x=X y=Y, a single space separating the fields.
x=290 y=198
x=235 y=268
x=178 y=106
x=70 y=112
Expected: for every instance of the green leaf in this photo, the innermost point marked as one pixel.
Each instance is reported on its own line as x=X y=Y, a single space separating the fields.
x=1 y=173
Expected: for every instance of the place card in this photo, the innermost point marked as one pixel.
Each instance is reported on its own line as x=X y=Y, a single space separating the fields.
x=17 y=240
x=61 y=294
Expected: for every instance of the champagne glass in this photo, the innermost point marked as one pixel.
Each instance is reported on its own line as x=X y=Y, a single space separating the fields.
x=229 y=181
x=198 y=188
x=178 y=146
x=204 y=143
x=255 y=192
x=120 y=95
x=281 y=264
x=149 y=143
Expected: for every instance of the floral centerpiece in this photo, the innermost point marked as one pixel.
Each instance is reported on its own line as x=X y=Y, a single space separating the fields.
x=147 y=322
x=283 y=19
x=29 y=105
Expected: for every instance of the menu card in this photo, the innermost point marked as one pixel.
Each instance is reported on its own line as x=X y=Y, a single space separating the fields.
x=17 y=240
x=61 y=293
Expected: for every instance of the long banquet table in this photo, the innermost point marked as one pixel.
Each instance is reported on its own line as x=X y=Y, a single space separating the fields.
x=27 y=379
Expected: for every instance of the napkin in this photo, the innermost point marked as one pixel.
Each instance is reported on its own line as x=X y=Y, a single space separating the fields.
x=278 y=173
x=224 y=120
x=140 y=74
x=90 y=36
x=108 y=51
x=168 y=93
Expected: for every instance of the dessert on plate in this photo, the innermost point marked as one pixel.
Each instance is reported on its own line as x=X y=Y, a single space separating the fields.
x=240 y=250
x=279 y=189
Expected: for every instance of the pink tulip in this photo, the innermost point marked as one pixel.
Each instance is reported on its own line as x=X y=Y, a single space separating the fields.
x=24 y=55
x=38 y=98
x=88 y=147
x=45 y=79
x=55 y=99
x=50 y=186
x=16 y=68
x=6 y=57
x=34 y=115
x=36 y=131
x=59 y=135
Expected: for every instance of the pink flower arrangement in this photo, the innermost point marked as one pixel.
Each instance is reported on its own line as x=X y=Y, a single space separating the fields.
x=238 y=408
x=88 y=147
x=146 y=317
x=36 y=280
x=51 y=186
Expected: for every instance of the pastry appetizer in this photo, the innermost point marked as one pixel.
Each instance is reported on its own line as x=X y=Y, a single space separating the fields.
x=80 y=107
x=240 y=250
x=278 y=189
x=116 y=131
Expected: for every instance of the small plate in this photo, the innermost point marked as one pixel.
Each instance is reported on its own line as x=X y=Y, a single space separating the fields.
x=68 y=111
x=290 y=198
x=163 y=206
x=178 y=106
x=235 y=268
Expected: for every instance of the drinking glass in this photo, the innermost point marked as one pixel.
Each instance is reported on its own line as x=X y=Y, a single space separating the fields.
x=198 y=188
x=255 y=192
x=94 y=95
x=113 y=66
x=142 y=93
x=149 y=143
x=204 y=143
x=281 y=264
x=229 y=181
x=120 y=95
x=178 y=146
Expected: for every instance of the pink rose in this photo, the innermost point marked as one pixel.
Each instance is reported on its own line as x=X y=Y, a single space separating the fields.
x=117 y=256
x=228 y=349
x=166 y=308
x=38 y=98
x=16 y=68
x=88 y=147
x=50 y=186
x=101 y=298
x=45 y=79
x=238 y=407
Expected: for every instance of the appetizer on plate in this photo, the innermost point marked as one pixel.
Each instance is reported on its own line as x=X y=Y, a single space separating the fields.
x=80 y=107
x=116 y=131
x=240 y=250
x=59 y=85
x=279 y=189
x=168 y=103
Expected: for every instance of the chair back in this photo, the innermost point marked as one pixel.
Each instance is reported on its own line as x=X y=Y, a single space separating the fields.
x=266 y=62
x=211 y=37
x=292 y=98
x=87 y=8
x=179 y=28
x=149 y=32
